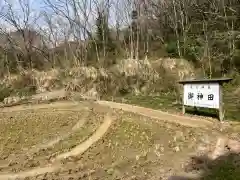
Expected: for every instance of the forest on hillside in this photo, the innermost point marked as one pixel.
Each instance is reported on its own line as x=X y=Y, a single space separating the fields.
x=67 y=33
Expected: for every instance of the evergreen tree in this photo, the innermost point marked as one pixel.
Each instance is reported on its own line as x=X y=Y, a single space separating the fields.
x=103 y=35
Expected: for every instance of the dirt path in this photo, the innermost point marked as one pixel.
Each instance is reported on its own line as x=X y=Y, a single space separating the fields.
x=81 y=148
x=51 y=143
x=93 y=139
x=60 y=107
x=64 y=104
x=156 y=114
x=159 y=115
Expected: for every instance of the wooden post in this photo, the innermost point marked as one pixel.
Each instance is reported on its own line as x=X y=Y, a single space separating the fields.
x=183 y=107
x=221 y=114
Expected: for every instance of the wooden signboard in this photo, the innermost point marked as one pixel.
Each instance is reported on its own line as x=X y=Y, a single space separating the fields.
x=206 y=93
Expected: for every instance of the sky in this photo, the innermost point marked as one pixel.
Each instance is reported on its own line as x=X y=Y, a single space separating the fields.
x=59 y=23
x=35 y=6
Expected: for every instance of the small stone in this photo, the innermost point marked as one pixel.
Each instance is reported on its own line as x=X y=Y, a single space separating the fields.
x=202 y=148
x=234 y=146
x=157 y=146
x=158 y=154
x=162 y=149
x=205 y=140
x=133 y=177
x=176 y=149
x=110 y=171
x=219 y=148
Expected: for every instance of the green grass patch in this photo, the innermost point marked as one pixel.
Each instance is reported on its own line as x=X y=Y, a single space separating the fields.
x=226 y=167
x=24 y=91
x=172 y=103
x=4 y=92
x=166 y=102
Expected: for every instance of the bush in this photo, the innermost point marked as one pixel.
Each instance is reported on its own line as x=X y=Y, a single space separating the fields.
x=172 y=49
x=24 y=85
x=4 y=92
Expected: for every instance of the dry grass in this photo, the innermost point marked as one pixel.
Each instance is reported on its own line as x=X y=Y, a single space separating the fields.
x=128 y=76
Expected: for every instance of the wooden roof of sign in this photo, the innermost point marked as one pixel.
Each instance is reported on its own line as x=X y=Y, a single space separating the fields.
x=196 y=81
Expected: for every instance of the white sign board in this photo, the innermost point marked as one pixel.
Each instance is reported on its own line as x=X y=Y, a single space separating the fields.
x=202 y=95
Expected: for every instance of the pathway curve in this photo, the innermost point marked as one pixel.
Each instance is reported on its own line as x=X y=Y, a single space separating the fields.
x=77 y=126
x=99 y=133
x=156 y=114
x=80 y=149
x=159 y=115
x=51 y=143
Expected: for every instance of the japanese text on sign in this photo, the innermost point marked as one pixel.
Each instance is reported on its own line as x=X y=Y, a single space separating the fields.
x=202 y=95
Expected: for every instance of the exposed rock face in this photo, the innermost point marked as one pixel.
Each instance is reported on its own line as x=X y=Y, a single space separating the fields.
x=233 y=146
x=224 y=145
x=179 y=68
x=13 y=99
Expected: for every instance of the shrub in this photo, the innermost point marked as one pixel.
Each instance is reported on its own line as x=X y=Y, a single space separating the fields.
x=4 y=92
x=172 y=49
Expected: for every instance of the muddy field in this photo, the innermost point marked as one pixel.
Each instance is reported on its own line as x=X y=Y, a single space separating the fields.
x=128 y=146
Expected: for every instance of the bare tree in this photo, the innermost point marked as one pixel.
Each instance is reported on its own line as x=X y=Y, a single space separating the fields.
x=25 y=38
x=78 y=14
